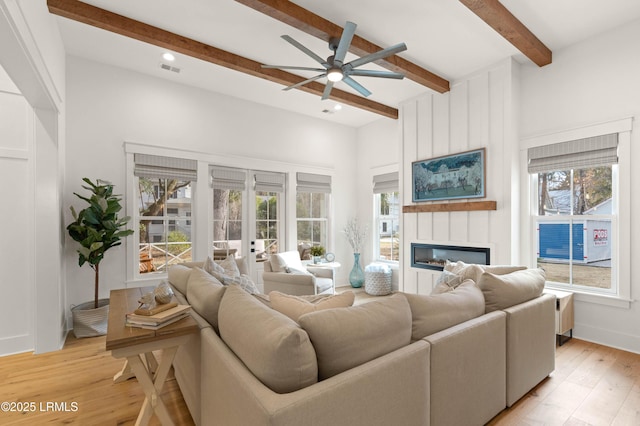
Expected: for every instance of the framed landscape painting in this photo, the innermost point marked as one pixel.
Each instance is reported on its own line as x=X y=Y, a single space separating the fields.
x=449 y=177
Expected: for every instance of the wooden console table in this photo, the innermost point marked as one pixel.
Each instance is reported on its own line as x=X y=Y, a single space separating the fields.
x=136 y=345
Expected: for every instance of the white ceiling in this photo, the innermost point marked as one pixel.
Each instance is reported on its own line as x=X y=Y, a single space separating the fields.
x=442 y=36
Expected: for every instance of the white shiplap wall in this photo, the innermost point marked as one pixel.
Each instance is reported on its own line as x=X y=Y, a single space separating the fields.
x=478 y=112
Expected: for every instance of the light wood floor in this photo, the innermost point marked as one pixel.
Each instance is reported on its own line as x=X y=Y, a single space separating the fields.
x=592 y=385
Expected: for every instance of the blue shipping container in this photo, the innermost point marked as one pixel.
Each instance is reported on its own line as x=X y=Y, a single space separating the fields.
x=554 y=241
x=590 y=240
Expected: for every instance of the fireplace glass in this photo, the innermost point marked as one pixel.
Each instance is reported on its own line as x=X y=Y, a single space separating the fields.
x=434 y=256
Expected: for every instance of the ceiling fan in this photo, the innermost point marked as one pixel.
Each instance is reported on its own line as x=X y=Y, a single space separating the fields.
x=334 y=67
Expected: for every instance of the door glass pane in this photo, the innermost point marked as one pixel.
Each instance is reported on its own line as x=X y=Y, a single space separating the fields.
x=227 y=222
x=267 y=224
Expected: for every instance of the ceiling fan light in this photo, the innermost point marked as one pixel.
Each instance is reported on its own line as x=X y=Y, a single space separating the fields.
x=335 y=74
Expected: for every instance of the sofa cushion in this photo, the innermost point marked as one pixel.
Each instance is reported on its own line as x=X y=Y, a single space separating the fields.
x=437 y=312
x=503 y=291
x=273 y=347
x=473 y=271
x=179 y=277
x=294 y=307
x=204 y=294
x=347 y=337
x=280 y=262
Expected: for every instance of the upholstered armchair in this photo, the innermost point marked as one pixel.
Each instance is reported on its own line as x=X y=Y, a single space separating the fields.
x=284 y=272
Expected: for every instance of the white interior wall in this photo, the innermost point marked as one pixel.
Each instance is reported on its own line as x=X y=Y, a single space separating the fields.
x=476 y=113
x=108 y=106
x=593 y=82
x=16 y=219
x=378 y=153
x=32 y=92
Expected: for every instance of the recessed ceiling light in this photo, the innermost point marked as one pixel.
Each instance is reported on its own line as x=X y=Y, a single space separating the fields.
x=338 y=107
x=168 y=57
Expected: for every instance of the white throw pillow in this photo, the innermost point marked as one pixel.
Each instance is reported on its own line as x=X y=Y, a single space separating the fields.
x=230 y=266
x=287 y=259
x=244 y=282
x=447 y=281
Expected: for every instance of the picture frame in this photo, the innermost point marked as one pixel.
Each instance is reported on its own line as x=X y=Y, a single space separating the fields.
x=450 y=177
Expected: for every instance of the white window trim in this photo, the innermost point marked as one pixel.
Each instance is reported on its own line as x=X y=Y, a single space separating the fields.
x=622 y=247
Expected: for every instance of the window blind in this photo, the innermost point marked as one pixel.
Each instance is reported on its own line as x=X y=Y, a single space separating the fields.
x=225 y=178
x=158 y=167
x=269 y=182
x=577 y=154
x=388 y=182
x=309 y=182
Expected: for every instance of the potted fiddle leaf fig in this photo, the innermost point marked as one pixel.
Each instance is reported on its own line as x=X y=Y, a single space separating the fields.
x=96 y=228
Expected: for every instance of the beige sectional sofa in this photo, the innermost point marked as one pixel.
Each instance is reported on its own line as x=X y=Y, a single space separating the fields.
x=367 y=364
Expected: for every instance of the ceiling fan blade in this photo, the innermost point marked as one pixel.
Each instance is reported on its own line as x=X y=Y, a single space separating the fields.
x=345 y=42
x=302 y=83
x=378 y=55
x=327 y=90
x=357 y=86
x=287 y=67
x=375 y=73
x=317 y=58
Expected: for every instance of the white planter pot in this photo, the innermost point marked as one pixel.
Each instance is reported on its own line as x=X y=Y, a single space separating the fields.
x=89 y=321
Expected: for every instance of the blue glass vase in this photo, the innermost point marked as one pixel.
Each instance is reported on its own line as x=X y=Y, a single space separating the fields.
x=356 y=276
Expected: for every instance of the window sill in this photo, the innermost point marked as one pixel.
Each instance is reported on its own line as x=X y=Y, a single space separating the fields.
x=596 y=298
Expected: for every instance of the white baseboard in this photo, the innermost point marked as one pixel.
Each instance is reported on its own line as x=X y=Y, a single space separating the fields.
x=601 y=336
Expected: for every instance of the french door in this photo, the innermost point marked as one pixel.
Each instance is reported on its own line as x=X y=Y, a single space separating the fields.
x=248 y=215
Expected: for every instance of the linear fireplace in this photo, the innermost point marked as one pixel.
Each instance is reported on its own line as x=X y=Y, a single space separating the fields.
x=434 y=256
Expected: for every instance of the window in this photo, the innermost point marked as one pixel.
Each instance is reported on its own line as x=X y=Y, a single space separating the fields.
x=163 y=193
x=268 y=189
x=386 y=203
x=575 y=214
x=313 y=194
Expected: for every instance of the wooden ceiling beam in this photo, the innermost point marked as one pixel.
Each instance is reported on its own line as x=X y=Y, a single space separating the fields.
x=106 y=20
x=508 y=26
x=304 y=20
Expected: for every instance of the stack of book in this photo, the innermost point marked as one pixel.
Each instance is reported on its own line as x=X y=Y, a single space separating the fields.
x=155 y=320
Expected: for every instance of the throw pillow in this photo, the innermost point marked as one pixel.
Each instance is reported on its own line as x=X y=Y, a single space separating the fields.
x=273 y=347
x=348 y=337
x=204 y=294
x=447 y=281
x=503 y=291
x=437 y=312
x=280 y=261
x=213 y=268
x=473 y=271
x=230 y=266
x=243 y=281
x=294 y=307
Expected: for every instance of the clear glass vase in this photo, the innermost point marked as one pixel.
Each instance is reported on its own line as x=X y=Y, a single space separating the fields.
x=356 y=276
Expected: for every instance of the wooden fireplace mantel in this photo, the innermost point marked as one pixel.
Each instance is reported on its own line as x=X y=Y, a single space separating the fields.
x=450 y=207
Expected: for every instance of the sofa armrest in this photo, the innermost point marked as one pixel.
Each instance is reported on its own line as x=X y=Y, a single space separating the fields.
x=295 y=284
x=531 y=347
x=373 y=393
x=321 y=272
x=468 y=370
